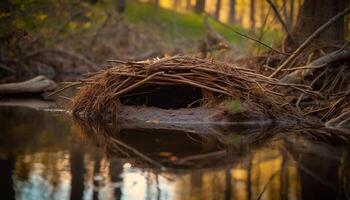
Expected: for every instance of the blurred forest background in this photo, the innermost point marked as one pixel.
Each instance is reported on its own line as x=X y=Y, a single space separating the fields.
x=64 y=38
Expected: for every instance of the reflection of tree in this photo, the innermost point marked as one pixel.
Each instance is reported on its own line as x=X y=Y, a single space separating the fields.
x=265 y=172
x=28 y=131
x=30 y=137
x=115 y=172
x=188 y=149
x=196 y=179
x=228 y=182
x=344 y=173
x=317 y=169
x=284 y=177
x=249 y=177
x=6 y=172
x=22 y=168
x=97 y=168
x=77 y=169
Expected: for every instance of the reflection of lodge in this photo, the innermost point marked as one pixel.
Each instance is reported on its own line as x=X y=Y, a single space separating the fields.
x=190 y=146
x=237 y=164
x=270 y=165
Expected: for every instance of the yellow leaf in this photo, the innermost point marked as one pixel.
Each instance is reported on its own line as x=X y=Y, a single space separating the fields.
x=41 y=17
x=165 y=154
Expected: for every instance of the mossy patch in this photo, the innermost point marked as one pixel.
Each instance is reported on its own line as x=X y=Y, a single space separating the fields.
x=234 y=106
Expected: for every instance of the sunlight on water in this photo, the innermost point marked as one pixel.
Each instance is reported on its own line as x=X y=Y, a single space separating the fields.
x=49 y=177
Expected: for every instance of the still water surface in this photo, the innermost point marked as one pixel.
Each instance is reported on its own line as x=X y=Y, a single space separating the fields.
x=46 y=156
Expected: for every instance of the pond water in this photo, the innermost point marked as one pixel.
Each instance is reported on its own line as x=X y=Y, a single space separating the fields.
x=44 y=155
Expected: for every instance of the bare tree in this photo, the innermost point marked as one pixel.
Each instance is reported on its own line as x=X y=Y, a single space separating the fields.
x=176 y=4
x=120 y=5
x=232 y=12
x=252 y=14
x=217 y=9
x=279 y=17
x=291 y=13
x=188 y=5
x=200 y=6
x=156 y=2
x=285 y=13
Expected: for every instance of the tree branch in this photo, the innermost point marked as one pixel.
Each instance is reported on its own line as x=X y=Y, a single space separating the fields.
x=284 y=25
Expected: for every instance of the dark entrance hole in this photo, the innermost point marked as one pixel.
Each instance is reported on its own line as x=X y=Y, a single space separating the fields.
x=164 y=96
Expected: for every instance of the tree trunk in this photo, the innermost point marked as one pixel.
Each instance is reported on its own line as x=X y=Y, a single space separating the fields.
x=347 y=25
x=176 y=4
x=200 y=6
x=313 y=14
x=188 y=5
x=285 y=14
x=156 y=2
x=291 y=13
x=120 y=4
x=217 y=9
x=232 y=12
x=252 y=15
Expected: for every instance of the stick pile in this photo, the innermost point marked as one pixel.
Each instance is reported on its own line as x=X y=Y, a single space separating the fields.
x=100 y=91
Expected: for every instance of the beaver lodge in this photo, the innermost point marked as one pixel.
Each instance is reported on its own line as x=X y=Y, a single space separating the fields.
x=178 y=85
x=153 y=97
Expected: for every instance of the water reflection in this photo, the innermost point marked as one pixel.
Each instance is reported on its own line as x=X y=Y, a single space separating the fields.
x=43 y=156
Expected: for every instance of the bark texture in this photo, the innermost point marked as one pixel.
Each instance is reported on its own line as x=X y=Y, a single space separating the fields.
x=252 y=15
x=313 y=14
x=200 y=6
x=232 y=13
x=217 y=9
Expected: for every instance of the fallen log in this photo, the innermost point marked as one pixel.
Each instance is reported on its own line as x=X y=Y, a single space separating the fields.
x=33 y=103
x=300 y=73
x=38 y=84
